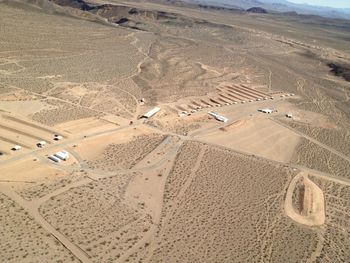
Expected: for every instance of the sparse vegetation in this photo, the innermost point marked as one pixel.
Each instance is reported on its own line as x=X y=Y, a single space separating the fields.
x=125 y=156
x=23 y=239
x=140 y=197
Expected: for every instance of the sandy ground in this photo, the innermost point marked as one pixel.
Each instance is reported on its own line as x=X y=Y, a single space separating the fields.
x=101 y=142
x=258 y=136
x=313 y=208
x=171 y=188
x=89 y=125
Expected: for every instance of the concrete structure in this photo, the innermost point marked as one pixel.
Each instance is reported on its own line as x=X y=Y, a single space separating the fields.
x=63 y=155
x=268 y=111
x=54 y=158
x=217 y=116
x=151 y=113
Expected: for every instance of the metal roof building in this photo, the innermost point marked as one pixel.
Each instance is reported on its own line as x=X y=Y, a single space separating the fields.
x=151 y=113
x=63 y=155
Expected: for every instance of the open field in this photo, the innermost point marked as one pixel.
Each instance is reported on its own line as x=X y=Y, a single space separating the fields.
x=265 y=138
x=337 y=229
x=113 y=228
x=23 y=240
x=313 y=156
x=125 y=156
x=181 y=185
x=196 y=229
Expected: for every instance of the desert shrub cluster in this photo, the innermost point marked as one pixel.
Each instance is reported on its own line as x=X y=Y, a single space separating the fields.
x=126 y=155
x=96 y=218
x=42 y=188
x=229 y=212
x=314 y=156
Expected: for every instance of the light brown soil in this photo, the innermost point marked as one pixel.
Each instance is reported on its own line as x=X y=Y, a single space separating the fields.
x=256 y=136
x=23 y=240
x=196 y=229
x=313 y=156
x=125 y=156
x=102 y=225
x=312 y=211
x=170 y=188
x=49 y=185
x=337 y=230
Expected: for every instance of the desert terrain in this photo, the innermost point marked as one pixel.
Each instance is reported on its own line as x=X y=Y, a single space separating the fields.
x=89 y=173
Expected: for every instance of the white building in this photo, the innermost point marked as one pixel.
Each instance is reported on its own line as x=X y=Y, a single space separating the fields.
x=151 y=113
x=63 y=155
x=217 y=116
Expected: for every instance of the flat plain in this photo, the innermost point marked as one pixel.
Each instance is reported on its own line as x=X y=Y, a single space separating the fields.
x=179 y=186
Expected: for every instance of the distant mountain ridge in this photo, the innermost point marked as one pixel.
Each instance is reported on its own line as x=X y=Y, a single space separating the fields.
x=258 y=10
x=279 y=6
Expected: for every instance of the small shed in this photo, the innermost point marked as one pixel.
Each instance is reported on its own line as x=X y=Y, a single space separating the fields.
x=57 y=137
x=41 y=144
x=16 y=148
x=183 y=113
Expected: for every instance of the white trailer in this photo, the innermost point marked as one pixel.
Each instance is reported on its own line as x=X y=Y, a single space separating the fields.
x=218 y=117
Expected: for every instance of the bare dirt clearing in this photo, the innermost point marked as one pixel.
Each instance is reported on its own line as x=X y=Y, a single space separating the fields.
x=256 y=136
x=311 y=199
